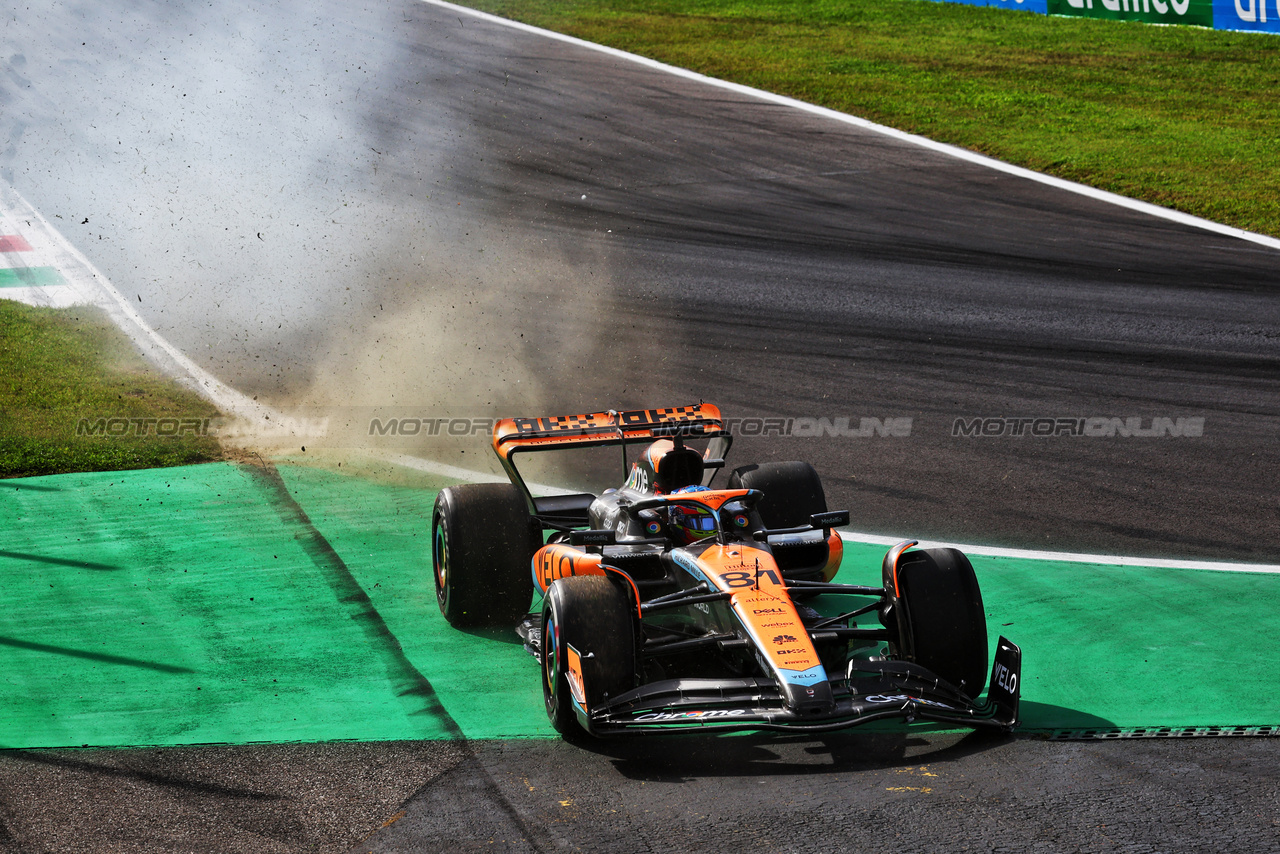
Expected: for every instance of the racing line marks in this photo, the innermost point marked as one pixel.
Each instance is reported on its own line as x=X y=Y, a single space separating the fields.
x=350 y=593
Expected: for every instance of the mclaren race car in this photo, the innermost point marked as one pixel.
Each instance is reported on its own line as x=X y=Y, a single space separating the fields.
x=670 y=604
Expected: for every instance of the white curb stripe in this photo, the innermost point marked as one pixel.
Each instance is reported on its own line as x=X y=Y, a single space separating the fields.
x=44 y=296
x=1068 y=557
x=455 y=473
x=94 y=288
x=902 y=136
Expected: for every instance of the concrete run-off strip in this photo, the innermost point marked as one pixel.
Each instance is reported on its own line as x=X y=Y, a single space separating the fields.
x=234 y=604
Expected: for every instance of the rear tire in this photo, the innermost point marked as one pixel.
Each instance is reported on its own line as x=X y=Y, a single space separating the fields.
x=596 y=618
x=480 y=541
x=792 y=492
x=941 y=621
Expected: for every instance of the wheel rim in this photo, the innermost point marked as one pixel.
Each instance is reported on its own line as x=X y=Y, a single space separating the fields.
x=550 y=661
x=440 y=560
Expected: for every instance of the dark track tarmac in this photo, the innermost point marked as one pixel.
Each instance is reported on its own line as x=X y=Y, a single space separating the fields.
x=852 y=793
x=863 y=792
x=293 y=192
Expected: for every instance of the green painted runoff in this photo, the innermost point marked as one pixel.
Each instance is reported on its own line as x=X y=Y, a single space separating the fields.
x=178 y=606
x=220 y=603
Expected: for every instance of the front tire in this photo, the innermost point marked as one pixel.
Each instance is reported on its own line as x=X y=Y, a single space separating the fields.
x=595 y=617
x=480 y=540
x=941 y=621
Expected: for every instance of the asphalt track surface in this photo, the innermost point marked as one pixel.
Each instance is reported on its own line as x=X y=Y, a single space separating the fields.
x=295 y=193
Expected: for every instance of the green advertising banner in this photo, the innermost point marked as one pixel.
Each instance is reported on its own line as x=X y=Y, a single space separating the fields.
x=1194 y=12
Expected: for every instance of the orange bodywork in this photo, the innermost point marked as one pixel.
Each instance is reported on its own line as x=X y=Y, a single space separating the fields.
x=573 y=672
x=560 y=560
x=835 y=554
x=891 y=567
x=745 y=571
x=760 y=599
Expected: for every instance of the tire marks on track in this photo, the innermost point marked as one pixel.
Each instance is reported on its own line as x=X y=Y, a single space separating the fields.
x=410 y=681
x=484 y=797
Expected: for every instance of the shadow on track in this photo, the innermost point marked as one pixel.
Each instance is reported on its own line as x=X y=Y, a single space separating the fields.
x=673 y=759
x=678 y=758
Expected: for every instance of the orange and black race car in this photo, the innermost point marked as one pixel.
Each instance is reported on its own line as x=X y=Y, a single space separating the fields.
x=668 y=604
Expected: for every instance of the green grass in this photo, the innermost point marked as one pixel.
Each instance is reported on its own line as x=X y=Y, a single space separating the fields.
x=1183 y=117
x=61 y=371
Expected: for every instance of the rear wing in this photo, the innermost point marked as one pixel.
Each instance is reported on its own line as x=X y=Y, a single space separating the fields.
x=626 y=427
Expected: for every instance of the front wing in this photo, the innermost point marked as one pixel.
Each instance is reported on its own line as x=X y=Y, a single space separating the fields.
x=887 y=690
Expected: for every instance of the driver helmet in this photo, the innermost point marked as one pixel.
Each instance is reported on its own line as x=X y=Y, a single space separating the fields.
x=689 y=523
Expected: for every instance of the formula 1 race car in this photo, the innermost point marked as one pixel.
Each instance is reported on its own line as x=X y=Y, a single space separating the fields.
x=669 y=605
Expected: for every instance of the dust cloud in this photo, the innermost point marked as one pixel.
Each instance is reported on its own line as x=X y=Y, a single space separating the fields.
x=318 y=204
x=467 y=335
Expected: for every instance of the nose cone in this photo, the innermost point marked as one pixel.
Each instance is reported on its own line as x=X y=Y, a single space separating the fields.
x=808 y=693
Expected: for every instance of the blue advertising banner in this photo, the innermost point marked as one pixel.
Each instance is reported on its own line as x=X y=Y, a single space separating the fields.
x=1249 y=15
x=1244 y=15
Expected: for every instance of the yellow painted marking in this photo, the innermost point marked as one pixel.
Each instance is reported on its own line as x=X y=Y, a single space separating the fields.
x=922 y=771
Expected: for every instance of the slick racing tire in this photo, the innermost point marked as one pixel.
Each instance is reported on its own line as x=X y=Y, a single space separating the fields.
x=792 y=492
x=941 y=621
x=595 y=617
x=480 y=552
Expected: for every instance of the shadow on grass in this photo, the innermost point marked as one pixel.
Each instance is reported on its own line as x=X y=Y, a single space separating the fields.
x=1043 y=718
x=57 y=561
x=93 y=656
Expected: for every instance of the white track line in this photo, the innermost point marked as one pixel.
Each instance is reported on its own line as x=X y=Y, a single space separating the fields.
x=96 y=289
x=960 y=154
x=922 y=142
x=1069 y=557
x=467 y=475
